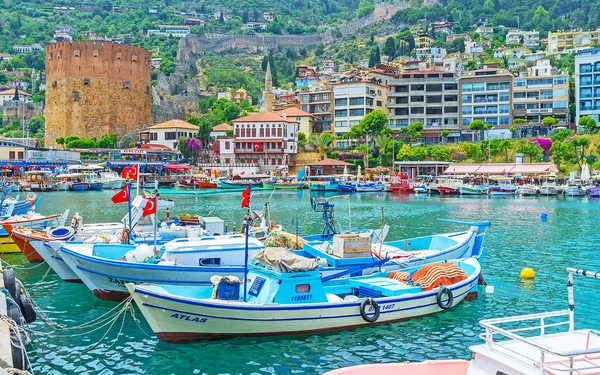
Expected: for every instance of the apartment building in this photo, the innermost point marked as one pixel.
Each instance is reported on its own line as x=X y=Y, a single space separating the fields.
x=318 y=103
x=354 y=97
x=428 y=97
x=587 y=84
x=486 y=95
x=560 y=41
x=539 y=93
x=529 y=39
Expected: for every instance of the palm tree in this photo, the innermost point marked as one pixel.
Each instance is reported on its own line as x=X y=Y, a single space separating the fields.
x=321 y=142
x=505 y=145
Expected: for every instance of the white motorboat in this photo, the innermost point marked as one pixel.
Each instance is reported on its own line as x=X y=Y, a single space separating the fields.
x=575 y=188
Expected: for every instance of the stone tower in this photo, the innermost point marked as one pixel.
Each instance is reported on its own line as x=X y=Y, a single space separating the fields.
x=268 y=94
x=96 y=88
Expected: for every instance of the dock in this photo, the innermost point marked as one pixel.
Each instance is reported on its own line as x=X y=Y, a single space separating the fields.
x=5 y=347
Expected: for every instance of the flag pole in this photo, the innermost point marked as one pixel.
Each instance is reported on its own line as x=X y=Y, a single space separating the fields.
x=138 y=179
x=129 y=209
x=247 y=219
x=155 y=215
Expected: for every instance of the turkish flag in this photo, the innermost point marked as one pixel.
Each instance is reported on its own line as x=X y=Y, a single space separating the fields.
x=150 y=207
x=130 y=172
x=121 y=196
x=246 y=197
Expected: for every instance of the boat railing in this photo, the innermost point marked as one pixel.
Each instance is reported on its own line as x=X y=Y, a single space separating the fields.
x=570 y=361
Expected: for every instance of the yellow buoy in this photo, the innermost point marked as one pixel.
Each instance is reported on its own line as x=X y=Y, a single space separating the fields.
x=527 y=274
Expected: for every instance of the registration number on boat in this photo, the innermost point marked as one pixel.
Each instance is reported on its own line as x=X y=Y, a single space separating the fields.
x=383 y=307
x=302 y=297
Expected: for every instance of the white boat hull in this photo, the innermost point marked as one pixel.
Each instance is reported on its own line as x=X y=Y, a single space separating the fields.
x=548 y=190
x=181 y=319
x=114 y=184
x=574 y=192
x=49 y=251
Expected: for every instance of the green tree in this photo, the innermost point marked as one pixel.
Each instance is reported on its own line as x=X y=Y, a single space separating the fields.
x=561 y=135
x=457 y=45
x=319 y=49
x=167 y=66
x=531 y=149
x=588 y=122
x=36 y=124
x=373 y=123
x=444 y=134
x=405 y=153
x=60 y=141
x=580 y=146
x=476 y=126
x=231 y=111
x=390 y=48
x=549 y=122
x=365 y=8
x=505 y=145
x=16 y=96
x=108 y=141
x=302 y=140
x=560 y=152
x=321 y=142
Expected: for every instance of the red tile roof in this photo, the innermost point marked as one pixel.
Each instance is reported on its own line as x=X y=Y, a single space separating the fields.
x=12 y=92
x=174 y=124
x=293 y=112
x=222 y=127
x=263 y=117
x=329 y=163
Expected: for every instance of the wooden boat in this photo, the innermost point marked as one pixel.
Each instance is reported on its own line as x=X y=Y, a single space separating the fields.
x=504 y=187
x=472 y=190
x=575 y=188
x=448 y=185
x=516 y=345
x=196 y=182
x=283 y=185
x=549 y=188
x=400 y=183
x=280 y=302
x=105 y=269
x=323 y=183
x=347 y=186
x=37 y=181
x=30 y=223
x=238 y=184
x=13 y=209
x=370 y=187
x=527 y=190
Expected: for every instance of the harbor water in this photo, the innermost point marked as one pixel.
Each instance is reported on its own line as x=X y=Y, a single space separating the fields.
x=518 y=238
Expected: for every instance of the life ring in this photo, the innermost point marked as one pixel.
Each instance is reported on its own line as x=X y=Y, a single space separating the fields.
x=440 y=298
x=363 y=310
x=31 y=196
x=25 y=303
x=125 y=234
x=9 y=281
x=61 y=233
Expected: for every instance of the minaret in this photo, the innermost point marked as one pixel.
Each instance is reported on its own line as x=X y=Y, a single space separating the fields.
x=268 y=94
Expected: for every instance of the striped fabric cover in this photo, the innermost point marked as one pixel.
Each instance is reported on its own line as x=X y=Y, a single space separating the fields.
x=398 y=276
x=433 y=275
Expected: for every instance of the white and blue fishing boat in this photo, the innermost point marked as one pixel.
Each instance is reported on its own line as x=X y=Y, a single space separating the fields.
x=347 y=186
x=286 y=294
x=323 y=183
x=370 y=187
x=105 y=268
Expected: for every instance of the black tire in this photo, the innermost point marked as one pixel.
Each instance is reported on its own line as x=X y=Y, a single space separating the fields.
x=440 y=298
x=363 y=310
x=9 y=281
x=25 y=304
x=14 y=312
x=18 y=357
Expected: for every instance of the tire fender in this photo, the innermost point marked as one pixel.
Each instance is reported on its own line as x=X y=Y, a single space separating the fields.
x=9 y=281
x=25 y=303
x=440 y=298
x=363 y=310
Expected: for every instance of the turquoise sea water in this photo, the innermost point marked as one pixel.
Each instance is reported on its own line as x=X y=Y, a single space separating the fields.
x=517 y=239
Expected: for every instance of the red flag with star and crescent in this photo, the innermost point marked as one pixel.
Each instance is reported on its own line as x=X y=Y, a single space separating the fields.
x=150 y=207
x=246 y=197
x=130 y=172
x=121 y=196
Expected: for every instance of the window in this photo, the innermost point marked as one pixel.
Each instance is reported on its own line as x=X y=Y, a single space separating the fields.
x=125 y=85
x=414 y=99
x=520 y=106
x=467 y=110
x=357 y=101
x=209 y=262
x=562 y=80
x=504 y=108
x=417 y=87
x=54 y=84
x=302 y=288
x=354 y=122
x=96 y=53
x=254 y=132
x=170 y=135
x=11 y=155
x=450 y=86
x=341 y=124
x=341 y=102
x=357 y=112
x=341 y=113
x=370 y=102
x=133 y=58
x=76 y=53
x=520 y=82
x=379 y=103
x=86 y=81
x=262 y=132
x=75 y=96
x=118 y=56
x=268 y=132
x=20 y=155
x=560 y=104
x=504 y=97
x=560 y=92
x=467 y=98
